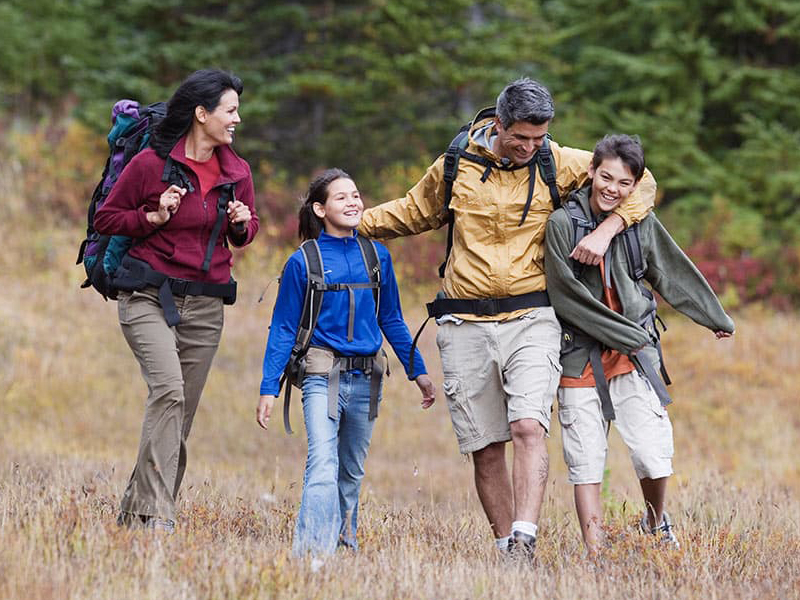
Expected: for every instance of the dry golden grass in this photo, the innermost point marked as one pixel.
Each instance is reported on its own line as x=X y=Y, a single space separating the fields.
x=70 y=415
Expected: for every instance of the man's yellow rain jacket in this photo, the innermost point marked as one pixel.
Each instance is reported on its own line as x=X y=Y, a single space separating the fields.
x=492 y=255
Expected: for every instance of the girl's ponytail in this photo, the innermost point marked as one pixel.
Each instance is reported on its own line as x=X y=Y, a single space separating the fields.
x=310 y=225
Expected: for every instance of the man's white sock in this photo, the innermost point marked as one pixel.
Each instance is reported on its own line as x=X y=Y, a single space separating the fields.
x=524 y=527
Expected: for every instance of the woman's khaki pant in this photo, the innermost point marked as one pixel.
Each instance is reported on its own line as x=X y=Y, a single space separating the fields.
x=175 y=362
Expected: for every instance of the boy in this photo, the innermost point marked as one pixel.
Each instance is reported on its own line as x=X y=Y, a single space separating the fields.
x=610 y=351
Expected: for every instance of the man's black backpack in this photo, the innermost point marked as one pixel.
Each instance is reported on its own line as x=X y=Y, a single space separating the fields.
x=312 y=302
x=543 y=160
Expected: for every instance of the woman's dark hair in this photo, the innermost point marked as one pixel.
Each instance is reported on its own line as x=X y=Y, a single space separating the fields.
x=624 y=147
x=310 y=225
x=202 y=88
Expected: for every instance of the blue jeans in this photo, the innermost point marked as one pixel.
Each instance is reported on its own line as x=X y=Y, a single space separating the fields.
x=335 y=464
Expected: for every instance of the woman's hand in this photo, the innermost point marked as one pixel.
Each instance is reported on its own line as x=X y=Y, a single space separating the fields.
x=239 y=215
x=168 y=205
x=264 y=410
x=428 y=390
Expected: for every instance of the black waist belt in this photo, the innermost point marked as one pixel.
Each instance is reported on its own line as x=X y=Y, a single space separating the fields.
x=483 y=307
x=369 y=365
x=134 y=274
x=486 y=307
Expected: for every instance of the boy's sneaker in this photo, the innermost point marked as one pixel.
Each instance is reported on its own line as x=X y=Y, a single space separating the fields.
x=166 y=526
x=521 y=545
x=664 y=530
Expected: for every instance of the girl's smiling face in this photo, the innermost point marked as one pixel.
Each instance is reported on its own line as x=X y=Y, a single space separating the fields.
x=343 y=208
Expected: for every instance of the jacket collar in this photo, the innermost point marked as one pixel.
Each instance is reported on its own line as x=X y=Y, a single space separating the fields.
x=232 y=168
x=335 y=239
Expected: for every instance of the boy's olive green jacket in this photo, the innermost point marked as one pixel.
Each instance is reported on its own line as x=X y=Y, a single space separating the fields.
x=578 y=301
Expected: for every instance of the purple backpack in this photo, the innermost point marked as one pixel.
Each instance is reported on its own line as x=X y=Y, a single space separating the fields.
x=131 y=126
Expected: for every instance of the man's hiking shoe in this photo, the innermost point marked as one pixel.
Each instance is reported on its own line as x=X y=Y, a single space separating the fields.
x=667 y=536
x=521 y=545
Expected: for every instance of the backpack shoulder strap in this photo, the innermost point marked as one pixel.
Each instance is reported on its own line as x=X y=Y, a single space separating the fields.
x=373 y=264
x=315 y=287
x=547 y=168
x=312 y=301
x=633 y=252
x=451 y=158
x=581 y=226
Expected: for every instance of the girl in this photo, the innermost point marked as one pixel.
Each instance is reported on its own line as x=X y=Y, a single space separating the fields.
x=176 y=275
x=339 y=434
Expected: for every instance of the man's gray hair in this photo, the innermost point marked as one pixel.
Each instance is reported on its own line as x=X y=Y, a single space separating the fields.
x=524 y=100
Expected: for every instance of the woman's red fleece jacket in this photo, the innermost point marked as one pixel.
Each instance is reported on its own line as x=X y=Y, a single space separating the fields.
x=178 y=247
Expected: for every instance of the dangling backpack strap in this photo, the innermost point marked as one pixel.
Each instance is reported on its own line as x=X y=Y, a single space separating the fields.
x=646 y=367
x=601 y=383
x=287 y=395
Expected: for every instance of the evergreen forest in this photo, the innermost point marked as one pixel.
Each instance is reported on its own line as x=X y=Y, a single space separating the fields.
x=379 y=87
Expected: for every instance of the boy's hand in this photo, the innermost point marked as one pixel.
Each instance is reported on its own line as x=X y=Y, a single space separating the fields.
x=428 y=390
x=264 y=410
x=722 y=334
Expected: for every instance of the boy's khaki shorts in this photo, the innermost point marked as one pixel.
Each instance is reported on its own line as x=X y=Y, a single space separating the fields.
x=497 y=372
x=640 y=419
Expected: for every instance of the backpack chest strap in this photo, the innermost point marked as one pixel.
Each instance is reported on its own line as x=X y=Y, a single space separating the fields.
x=349 y=287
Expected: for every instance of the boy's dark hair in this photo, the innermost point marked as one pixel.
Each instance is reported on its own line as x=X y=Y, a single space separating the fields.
x=524 y=100
x=310 y=225
x=627 y=148
x=202 y=88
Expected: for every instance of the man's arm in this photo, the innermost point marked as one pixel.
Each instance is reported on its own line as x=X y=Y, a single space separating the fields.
x=572 y=173
x=637 y=206
x=421 y=209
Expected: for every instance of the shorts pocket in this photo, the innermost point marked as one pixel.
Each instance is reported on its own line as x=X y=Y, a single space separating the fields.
x=460 y=411
x=571 y=441
x=656 y=407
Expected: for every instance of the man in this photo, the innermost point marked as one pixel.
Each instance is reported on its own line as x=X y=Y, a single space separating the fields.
x=500 y=356
x=610 y=355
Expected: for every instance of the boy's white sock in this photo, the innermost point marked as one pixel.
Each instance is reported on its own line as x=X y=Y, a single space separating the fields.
x=524 y=527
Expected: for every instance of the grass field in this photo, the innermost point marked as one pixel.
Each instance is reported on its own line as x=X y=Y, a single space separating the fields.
x=70 y=413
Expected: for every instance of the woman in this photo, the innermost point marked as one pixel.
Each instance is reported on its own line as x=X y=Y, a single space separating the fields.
x=344 y=347
x=180 y=199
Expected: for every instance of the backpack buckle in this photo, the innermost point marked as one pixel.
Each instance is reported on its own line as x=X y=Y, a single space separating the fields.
x=486 y=307
x=179 y=287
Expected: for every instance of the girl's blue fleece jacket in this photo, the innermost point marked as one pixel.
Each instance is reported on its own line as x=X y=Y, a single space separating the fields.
x=342 y=263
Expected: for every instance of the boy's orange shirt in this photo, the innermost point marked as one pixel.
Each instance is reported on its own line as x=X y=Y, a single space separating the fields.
x=614 y=362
